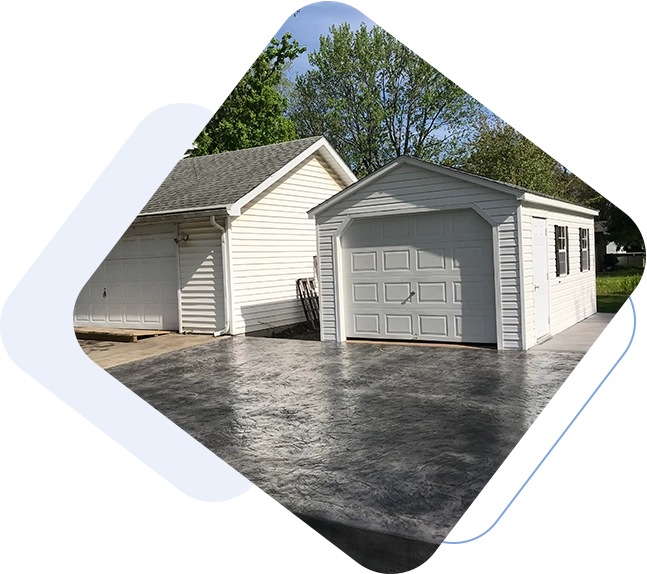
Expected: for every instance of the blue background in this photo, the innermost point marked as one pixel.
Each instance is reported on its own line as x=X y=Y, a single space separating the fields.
x=72 y=82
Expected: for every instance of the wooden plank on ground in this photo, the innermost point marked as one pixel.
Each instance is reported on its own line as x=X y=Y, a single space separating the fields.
x=117 y=335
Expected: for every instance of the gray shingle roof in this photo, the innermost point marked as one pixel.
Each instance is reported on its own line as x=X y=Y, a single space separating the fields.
x=222 y=179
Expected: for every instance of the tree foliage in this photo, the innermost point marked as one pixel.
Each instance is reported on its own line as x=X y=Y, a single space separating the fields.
x=254 y=113
x=621 y=229
x=498 y=151
x=374 y=100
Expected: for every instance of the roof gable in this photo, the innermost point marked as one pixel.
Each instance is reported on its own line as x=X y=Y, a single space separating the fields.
x=519 y=193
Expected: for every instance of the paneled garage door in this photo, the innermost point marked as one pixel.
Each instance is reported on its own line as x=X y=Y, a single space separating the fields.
x=134 y=288
x=426 y=276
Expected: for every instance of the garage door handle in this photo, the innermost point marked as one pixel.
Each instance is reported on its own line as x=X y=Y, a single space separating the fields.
x=409 y=297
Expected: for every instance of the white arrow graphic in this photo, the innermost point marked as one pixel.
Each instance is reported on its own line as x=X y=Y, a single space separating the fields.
x=46 y=293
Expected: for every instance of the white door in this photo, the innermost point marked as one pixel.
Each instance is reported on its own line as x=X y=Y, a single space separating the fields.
x=427 y=276
x=135 y=287
x=540 y=267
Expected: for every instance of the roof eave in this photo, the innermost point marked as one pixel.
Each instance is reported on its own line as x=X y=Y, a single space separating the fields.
x=338 y=164
x=533 y=199
x=184 y=213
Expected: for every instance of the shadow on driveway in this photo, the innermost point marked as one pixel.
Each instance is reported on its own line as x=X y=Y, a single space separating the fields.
x=393 y=439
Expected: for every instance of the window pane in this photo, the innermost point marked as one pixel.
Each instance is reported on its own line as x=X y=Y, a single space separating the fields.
x=562 y=263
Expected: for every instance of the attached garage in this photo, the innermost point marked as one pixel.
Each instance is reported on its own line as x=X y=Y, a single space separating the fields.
x=418 y=251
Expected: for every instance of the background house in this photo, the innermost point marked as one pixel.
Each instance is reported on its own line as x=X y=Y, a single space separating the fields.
x=421 y=251
x=620 y=256
x=219 y=246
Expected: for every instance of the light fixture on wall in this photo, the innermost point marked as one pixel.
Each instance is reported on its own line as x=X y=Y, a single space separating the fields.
x=181 y=239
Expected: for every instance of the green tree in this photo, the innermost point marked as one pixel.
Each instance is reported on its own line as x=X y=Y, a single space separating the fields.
x=498 y=151
x=621 y=229
x=374 y=100
x=254 y=113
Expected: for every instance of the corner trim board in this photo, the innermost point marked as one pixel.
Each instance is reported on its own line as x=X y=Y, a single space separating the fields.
x=522 y=279
x=497 y=291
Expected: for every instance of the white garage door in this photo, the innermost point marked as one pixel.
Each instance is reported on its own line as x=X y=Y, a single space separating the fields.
x=134 y=288
x=427 y=277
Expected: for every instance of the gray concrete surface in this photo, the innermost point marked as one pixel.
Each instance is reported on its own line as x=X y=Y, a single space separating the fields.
x=108 y=354
x=376 y=551
x=578 y=338
x=394 y=439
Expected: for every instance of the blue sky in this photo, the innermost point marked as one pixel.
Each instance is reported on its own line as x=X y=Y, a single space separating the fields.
x=315 y=20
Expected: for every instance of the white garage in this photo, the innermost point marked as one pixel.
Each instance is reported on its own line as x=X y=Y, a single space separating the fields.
x=219 y=246
x=418 y=251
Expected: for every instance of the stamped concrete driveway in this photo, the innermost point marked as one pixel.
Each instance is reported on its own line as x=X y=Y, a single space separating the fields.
x=395 y=439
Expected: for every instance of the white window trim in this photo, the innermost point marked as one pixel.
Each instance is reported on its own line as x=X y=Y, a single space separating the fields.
x=559 y=250
x=585 y=236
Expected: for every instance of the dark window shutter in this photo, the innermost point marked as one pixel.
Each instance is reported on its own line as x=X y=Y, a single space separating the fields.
x=557 y=249
x=581 y=250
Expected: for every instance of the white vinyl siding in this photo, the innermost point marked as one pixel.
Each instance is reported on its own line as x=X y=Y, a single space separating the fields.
x=201 y=284
x=327 y=288
x=572 y=296
x=273 y=243
x=410 y=188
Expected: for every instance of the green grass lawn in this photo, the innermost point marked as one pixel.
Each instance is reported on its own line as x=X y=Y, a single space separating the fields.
x=614 y=287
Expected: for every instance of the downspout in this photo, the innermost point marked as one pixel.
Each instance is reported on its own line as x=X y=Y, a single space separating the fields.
x=224 y=238
x=179 y=280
